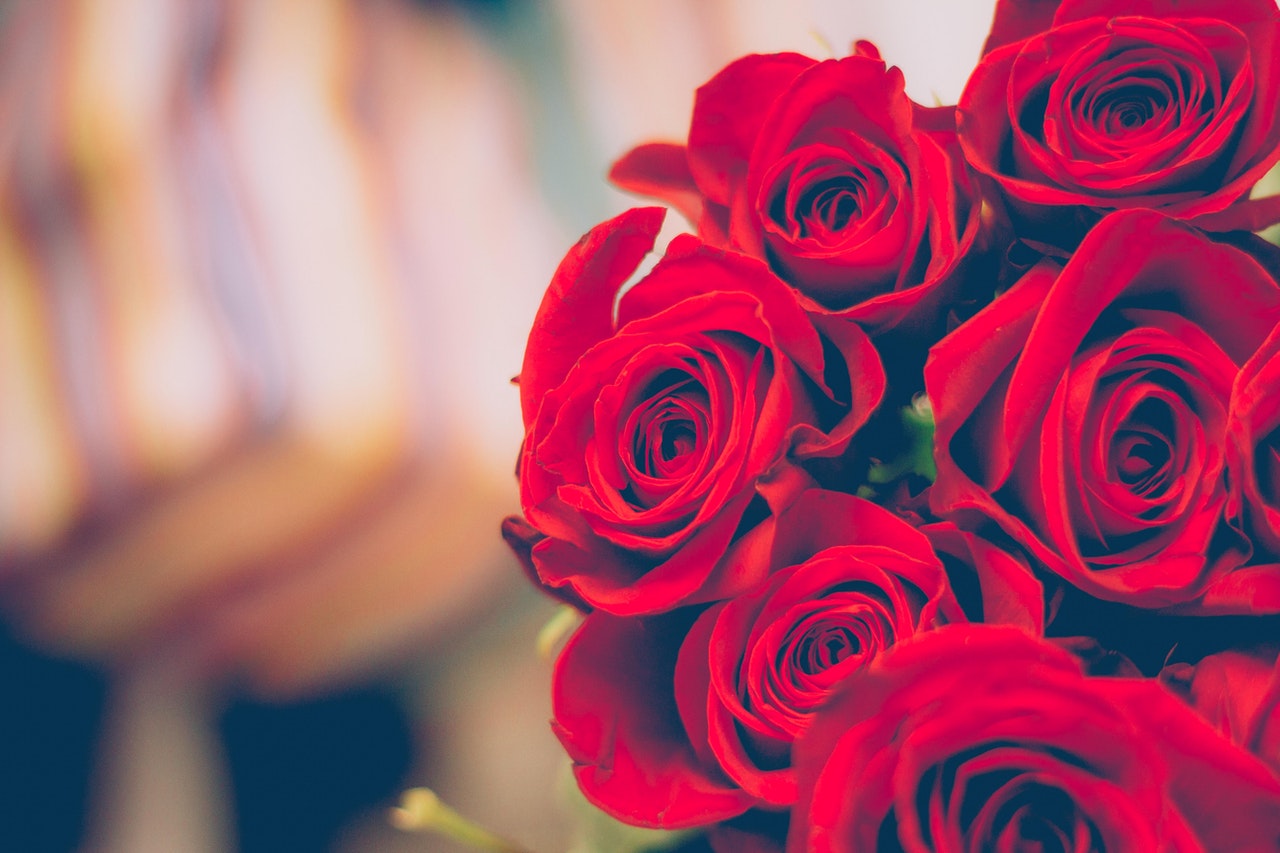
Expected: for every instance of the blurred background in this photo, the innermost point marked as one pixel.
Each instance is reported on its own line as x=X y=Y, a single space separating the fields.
x=266 y=270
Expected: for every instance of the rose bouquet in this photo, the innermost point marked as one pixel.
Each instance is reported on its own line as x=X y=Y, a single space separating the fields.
x=927 y=496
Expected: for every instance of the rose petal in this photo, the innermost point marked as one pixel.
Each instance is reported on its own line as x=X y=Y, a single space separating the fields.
x=614 y=712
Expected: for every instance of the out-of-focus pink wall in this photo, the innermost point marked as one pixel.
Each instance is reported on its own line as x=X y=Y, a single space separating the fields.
x=267 y=268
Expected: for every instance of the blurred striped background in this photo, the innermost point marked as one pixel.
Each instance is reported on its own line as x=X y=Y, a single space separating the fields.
x=266 y=268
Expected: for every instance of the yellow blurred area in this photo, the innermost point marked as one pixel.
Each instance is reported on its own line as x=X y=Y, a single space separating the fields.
x=266 y=269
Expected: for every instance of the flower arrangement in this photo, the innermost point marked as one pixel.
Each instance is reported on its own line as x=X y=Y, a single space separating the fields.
x=927 y=496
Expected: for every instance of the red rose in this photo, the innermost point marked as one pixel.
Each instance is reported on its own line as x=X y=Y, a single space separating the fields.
x=975 y=737
x=1085 y=412
x=657 y=434
x=1238 y=691
x=855 y=195
x=853 y=579
x=671 y=738
x=1108 y=104
x=1254 y=427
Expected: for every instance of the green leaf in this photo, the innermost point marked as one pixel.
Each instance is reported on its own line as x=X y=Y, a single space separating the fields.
x=917 y=425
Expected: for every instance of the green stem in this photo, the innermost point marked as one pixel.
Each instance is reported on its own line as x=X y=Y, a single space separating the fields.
x=420 y=810
x=556 y=629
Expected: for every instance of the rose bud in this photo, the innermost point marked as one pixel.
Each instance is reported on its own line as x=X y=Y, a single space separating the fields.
x=1098 y=105
x=658 y=435
x=1085 y=413
x=856 y=196
x=975 y=737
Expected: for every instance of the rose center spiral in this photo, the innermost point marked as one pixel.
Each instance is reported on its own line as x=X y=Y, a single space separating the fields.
x=1142 y=452
x=832 y=203
x=825 y=646
x=668 y=440
x=1128 y=109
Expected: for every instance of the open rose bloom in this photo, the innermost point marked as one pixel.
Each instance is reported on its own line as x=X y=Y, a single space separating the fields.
x=928 y=496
